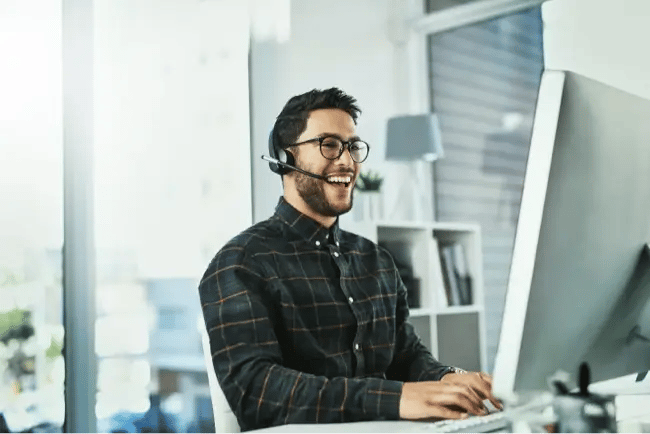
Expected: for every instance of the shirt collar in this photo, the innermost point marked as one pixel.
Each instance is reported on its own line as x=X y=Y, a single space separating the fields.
x=309 y=229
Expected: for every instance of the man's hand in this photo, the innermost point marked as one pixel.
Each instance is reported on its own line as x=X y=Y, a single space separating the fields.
x=479 y=382
x=453 y=397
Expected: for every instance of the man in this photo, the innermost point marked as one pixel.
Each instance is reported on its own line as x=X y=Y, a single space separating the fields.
x=307 y=322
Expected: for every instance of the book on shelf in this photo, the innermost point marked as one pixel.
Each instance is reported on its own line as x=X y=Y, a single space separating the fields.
x=462 y=273
x=437 y=273
x=451 y=284
x=456 y=276
x=406 y=273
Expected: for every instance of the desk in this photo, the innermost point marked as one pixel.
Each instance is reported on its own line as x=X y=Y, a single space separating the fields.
x=401 y=426
x=632 y=401
x=632 y=415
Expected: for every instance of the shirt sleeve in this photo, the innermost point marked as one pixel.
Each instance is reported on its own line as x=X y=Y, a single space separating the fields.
x=412 y=360
x=248 y=360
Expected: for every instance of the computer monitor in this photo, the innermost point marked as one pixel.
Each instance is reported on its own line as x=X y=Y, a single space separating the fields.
x=579 y=284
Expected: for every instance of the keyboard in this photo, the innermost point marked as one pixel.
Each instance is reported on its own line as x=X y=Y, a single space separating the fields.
x=495 y=422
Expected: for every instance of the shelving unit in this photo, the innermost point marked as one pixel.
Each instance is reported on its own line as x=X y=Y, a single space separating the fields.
x=455 y=334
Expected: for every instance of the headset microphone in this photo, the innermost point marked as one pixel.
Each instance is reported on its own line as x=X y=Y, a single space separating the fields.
x=292 y=167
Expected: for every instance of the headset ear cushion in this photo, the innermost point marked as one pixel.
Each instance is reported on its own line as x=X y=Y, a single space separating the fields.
x=277 y=153
x=286 y=157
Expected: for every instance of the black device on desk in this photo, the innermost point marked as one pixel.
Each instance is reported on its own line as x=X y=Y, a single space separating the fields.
x=3 y=424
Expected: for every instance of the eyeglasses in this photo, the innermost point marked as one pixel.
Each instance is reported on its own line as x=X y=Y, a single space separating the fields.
x=332 y=148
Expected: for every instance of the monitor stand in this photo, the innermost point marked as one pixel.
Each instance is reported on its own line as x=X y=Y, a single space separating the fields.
x=627 y=330
x=636 y=333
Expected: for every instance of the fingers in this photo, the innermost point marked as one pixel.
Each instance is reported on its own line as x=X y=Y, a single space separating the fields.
x=448 y=413
x=423 y=400
x=449 y=399
x=464 y=397
x=487 y=379
x=480 y=382
x=495 y=402
x=483 y=385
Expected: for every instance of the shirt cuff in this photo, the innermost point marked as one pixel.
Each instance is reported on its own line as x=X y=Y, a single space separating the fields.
x=383 y=398
x=436 y=374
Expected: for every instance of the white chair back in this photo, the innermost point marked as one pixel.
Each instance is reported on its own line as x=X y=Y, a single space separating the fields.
x=224 y=419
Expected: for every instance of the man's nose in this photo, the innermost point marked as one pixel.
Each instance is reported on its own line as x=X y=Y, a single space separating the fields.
x=346 y=157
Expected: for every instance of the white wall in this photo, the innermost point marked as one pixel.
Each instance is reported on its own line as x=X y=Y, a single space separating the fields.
x=334 y=43
x=603 y=40
x=31 y=154
x=172 y=149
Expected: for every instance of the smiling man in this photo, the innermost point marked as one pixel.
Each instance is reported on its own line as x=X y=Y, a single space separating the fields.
x=309 y=323
x=320 y=149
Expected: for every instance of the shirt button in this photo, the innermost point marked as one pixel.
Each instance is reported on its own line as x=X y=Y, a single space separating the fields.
x=336 y=254
x=357 y=347
x=317 y=243
x=351 y=300
x=337 y=244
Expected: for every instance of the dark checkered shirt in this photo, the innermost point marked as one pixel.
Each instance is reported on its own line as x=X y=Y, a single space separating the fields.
x=309 y=325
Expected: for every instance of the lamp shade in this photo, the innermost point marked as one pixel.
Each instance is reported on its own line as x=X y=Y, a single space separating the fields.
x=413 y=137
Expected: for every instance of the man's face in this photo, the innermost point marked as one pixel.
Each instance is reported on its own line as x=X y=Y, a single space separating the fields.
x=326 y=198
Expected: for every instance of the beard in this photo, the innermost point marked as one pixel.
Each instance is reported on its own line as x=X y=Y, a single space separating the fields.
x=312 y=191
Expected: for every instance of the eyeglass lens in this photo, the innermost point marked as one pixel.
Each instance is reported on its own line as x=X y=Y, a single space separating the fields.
x=332 y=148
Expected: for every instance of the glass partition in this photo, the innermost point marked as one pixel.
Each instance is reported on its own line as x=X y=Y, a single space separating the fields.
x=172 y=180
x=484 y=83
x=31 y=217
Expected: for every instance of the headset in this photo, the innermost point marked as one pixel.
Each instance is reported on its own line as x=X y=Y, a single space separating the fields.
x=279 y=155
x=282 y=161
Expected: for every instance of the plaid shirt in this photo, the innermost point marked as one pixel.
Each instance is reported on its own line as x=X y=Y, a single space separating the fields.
x=309 y=325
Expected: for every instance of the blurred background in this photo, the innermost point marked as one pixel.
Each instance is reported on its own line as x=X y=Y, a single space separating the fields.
x=130 y=137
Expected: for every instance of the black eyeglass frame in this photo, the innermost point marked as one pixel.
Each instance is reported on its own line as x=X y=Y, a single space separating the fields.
x=344 y=145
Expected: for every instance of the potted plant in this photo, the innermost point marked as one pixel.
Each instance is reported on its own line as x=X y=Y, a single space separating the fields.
x=369 y=184
x=369 y=181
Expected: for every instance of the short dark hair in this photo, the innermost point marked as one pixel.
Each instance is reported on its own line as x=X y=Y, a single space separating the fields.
x=292 y=120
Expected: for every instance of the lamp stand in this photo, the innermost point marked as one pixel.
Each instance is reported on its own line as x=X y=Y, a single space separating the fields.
x=415 y=194
x=423 y=191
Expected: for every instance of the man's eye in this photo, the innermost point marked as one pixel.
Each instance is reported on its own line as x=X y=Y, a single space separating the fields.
x=330 y=145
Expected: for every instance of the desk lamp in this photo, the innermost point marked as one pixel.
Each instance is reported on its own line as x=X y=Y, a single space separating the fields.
x=416 y=139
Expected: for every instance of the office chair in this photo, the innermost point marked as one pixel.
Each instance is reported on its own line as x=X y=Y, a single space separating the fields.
x=224 y=419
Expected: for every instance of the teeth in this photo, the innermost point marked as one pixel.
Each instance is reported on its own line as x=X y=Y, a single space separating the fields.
x=340 y=179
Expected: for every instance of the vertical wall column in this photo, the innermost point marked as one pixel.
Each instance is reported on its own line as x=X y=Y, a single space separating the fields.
x=415 y=198
x=78 y=205
x=267 y=90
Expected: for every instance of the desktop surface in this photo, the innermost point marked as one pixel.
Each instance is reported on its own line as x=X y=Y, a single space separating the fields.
x=632 y=415
x=495 y=421
x=402 y=426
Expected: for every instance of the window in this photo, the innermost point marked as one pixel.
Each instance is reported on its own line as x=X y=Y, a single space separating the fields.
x=484 y=83
x=31 y=221
x=171 y=101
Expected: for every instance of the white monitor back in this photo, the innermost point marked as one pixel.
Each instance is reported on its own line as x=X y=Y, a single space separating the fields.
x=579 y=280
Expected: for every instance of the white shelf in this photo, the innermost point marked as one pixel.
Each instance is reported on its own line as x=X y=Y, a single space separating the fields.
x=443 y=226
x=420 y=311
x=450 y=310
